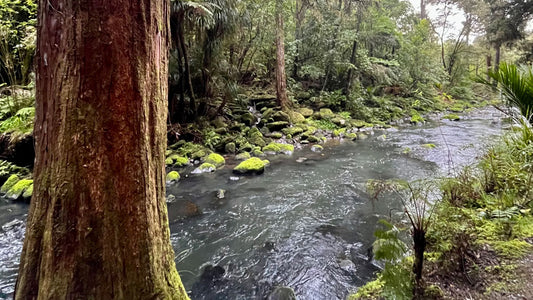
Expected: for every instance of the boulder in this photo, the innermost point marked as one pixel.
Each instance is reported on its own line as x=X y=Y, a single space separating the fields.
x=204 y=168
x=172 y=177
x=10 y=182
x=252 y=165
x=296 y=117
x=281 y=116
x=326 y=113
x=215 y=159
x=230 y=147
x=248 y=119
x=306 y=112
x=293 y=131
x=16 y=191
x=243 y=156
x=317 y=148
x=277 y=126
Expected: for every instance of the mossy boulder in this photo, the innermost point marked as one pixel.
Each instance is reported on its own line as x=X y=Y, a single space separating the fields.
x=293 y=131
x=168 y=161
x=205 y=168
x=276 y=135
x=18 y=189
x=10 y=182
x=215 y=159
x=338 y=121
x=286 y=149
x=268 y=113
x=250 y=166
x=181 y=161
x=313 y=139
x=272 y=148
x=243 y=156
x=326 y=113
x=198 y=154
x=296 y=117
x=248 y=119
x=258 y=153
x=306 y=112
x=230 y=147
x=246 y=147
x=277 y=126
x=339 y=132
x=28 y=193
x=357 y=123
x=255 y=137
x=172 y=177
x=281 y=116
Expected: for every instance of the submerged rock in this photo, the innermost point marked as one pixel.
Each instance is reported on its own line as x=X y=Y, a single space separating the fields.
x=282 y=293
x=252 y=165
x=317 y=148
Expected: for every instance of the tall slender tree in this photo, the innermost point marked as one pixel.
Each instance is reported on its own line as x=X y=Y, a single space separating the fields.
x=97 y=226
x=281 y=77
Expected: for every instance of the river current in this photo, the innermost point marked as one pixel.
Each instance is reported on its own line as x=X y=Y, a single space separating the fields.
x=306 y=223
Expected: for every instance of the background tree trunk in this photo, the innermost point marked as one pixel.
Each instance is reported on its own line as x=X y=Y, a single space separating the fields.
x=281 y=80
x=98 y=226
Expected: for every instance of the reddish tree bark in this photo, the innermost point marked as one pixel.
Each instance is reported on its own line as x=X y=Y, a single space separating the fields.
x=97 y=226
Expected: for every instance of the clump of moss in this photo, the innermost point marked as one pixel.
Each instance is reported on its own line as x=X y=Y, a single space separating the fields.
x=28 y=192
x=429 y=146
x=371 y=290
x=10 y=182
x=215 y=159
x=181 y=161
x=292 y=131
x=243 y=156
x=352 y=136
x=252 y=165
x=416 y=118
x=272 y=147
x=287 y=149
x=172 y=176
x=339 y=132
x=452 y=117
x=18 y=189
x=317 y=148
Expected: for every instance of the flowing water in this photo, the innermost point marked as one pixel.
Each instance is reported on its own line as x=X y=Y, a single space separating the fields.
x=305 y=223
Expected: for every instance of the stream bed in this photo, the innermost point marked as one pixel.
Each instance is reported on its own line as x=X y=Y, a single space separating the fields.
x=307 y=222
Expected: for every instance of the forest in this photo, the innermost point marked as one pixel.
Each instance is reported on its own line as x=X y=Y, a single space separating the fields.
x=244 y=149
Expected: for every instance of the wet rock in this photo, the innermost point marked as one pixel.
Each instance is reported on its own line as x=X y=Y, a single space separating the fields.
x=317 y=148
x=16 y=191
x=282 y=293
x=281 y=116
x=277 y=126
x=172 y=177
x=204 y=168
x=243 y=156
x=10 y=182
x=347 y=265
x=171 y=198
x=215 y=159
x=230 y=147
x=221 y=194
x=250 y=166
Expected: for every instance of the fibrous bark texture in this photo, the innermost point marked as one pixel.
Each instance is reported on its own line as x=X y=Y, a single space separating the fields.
x=97 y=226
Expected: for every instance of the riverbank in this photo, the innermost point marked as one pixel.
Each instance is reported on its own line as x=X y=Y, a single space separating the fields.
x=480 y=238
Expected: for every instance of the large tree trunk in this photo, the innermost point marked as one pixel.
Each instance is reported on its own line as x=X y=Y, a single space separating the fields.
x=281 y=80
x=98 y=226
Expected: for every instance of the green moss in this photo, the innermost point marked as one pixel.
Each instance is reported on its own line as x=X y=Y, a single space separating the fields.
x=18 y=188
x=258 y=153
x=296 y=117
x=181 y=161
x=28 y=192
x=276 y=135
x=252 y=165
x=417 y=118
x=230 y=147
x=306 y=112
x=339 y=132
x=286 y=148
x=293 y=131
x=215 y=159
x=511 y=249
x=326 y=113
x=313 y=139
x=168 y=161
x=11 y=181
x=173 y=176
x=429 y=146
x=275 y=126
x=243 y=156
x=351 y=136
x=267 y=162
x=371 y=290
x=452 y=117
x=198 y=154
x=272 y=147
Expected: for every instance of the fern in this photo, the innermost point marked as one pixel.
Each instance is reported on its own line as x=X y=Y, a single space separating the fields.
x=20 y=123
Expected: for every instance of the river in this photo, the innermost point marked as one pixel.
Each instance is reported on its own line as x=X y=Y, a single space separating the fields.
x=307 y=222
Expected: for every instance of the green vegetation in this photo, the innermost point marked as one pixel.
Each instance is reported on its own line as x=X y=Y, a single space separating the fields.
x=172 y=176
x=252 y=165
x=215 y=159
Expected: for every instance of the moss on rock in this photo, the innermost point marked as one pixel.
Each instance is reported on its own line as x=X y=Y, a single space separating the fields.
x=243 y=156
x=28 y=192
x=276 y=135
x=230 y=147
x=181 y=161
x=11 y=181
x=293 y=131
x=18 y=189
x=452 y=117
x=276 y=126
x=252 y=165
x=215 y=159
x=296 y=117
x=317 y=148
x=272 y=147
x=173 y=176
x=306 y=112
